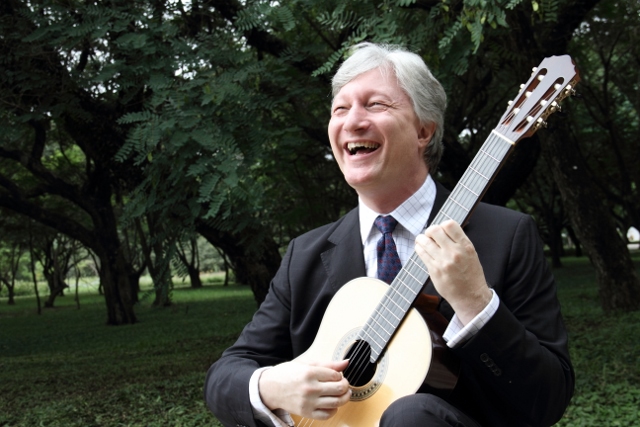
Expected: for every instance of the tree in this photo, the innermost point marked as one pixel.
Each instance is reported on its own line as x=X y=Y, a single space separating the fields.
x=59 y=136
x=556 y=25
x=10 y=256
x=596 y=180
x=190 y=259
x=54 y=254
x=210 y=116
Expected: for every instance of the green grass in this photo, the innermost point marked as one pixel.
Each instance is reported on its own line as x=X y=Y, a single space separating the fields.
x=67 y=368
x=605 y=352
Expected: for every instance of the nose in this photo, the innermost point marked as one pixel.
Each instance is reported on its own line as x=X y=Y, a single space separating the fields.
x=356 y=119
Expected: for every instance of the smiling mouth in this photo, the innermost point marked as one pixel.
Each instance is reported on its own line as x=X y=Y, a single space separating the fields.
x=362 y=147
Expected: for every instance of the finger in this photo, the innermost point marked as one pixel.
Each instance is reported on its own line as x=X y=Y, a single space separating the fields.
x=437 y=234
x=327 y=375
x=453 y=230
x=322 y=414
x=434 y=240
x=339 y=366
x=329 y=402
x=422 y=246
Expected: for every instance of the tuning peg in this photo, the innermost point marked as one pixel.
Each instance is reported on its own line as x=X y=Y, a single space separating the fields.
x=570 y=90
x=540 y=123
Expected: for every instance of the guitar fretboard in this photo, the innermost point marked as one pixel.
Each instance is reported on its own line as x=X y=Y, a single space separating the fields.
x=412 y=277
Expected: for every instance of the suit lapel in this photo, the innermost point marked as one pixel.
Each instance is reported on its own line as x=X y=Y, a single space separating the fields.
x=441 y=197
x=345 y=261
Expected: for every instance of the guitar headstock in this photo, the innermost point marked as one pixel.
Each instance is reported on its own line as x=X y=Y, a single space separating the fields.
x=550 y=82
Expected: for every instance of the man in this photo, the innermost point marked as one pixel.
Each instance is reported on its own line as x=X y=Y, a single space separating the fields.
x=506 y=328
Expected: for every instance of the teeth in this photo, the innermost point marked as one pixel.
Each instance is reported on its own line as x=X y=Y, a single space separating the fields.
x=354 y=146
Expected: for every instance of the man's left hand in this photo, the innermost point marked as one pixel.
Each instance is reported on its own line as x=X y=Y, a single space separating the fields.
x=455 y=269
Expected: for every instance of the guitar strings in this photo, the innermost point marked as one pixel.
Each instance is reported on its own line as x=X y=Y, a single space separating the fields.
x=462 y=200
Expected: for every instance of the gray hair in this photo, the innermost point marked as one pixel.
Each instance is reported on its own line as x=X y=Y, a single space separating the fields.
x=414 y=77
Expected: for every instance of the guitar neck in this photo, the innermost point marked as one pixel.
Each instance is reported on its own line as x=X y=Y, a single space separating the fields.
x=549 y=83
x=412 y=277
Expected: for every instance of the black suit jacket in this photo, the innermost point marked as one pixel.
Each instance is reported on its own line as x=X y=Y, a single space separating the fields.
x=515 y=371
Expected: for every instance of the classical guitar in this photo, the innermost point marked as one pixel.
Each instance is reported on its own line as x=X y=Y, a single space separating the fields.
x=392 y=335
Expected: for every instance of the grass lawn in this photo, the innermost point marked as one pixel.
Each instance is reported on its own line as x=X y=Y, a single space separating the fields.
x=605 y=352
x=66 y=368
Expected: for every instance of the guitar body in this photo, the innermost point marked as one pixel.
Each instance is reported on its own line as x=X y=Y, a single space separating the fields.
x=401 y=370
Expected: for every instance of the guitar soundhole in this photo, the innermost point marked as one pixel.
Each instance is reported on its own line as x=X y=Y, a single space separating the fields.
x=360 y=370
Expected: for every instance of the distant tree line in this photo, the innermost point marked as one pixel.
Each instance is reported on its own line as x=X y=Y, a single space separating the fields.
x=131 y=127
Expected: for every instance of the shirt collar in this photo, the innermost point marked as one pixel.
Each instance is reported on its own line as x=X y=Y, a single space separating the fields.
x=412 y=214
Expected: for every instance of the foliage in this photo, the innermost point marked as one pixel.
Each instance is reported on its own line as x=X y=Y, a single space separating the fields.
x=213 y=114
x=608 y=119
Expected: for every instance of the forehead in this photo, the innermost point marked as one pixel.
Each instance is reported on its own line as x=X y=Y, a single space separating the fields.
x=378 y=81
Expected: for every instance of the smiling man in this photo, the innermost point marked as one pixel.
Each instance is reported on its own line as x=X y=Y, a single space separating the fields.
x=378 y=140
x=497 y=290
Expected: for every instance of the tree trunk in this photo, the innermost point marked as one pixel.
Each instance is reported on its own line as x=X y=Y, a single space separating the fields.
x=619 y=287
x=576 y=242
x=56 y=283
x=134 y=282
x=11 y=292
x=117 y=289
x=32 y=265
x=254 y=263
x=160 y=271
x=194 y=276
x=191 y=262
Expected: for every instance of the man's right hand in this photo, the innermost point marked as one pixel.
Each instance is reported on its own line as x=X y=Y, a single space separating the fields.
x=314 y=390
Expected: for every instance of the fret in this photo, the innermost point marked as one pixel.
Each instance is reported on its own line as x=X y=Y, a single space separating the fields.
x=365 y=331
x=420 y=264
x=390 y=297
x=379 y=313
x=382 y=326
x=490 y=156
x=477 y=172
x=412 y=276
x=445 y=214
x=468 y=189
x=387 y=298
x=384 y=311
x=456 y=202
x=403 y=297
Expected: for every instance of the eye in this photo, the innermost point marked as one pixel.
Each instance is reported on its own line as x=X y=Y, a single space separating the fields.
x=378 y=105
x=339 y=109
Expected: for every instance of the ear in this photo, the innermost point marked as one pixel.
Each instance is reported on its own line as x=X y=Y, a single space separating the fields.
x=425 y=132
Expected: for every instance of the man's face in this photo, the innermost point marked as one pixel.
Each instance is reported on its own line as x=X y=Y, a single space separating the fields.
x=376 y=136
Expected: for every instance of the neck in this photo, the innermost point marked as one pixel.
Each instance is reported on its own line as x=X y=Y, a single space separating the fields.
x=386 y=200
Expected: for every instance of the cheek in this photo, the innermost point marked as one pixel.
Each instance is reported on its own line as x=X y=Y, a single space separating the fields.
x=333 y=132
